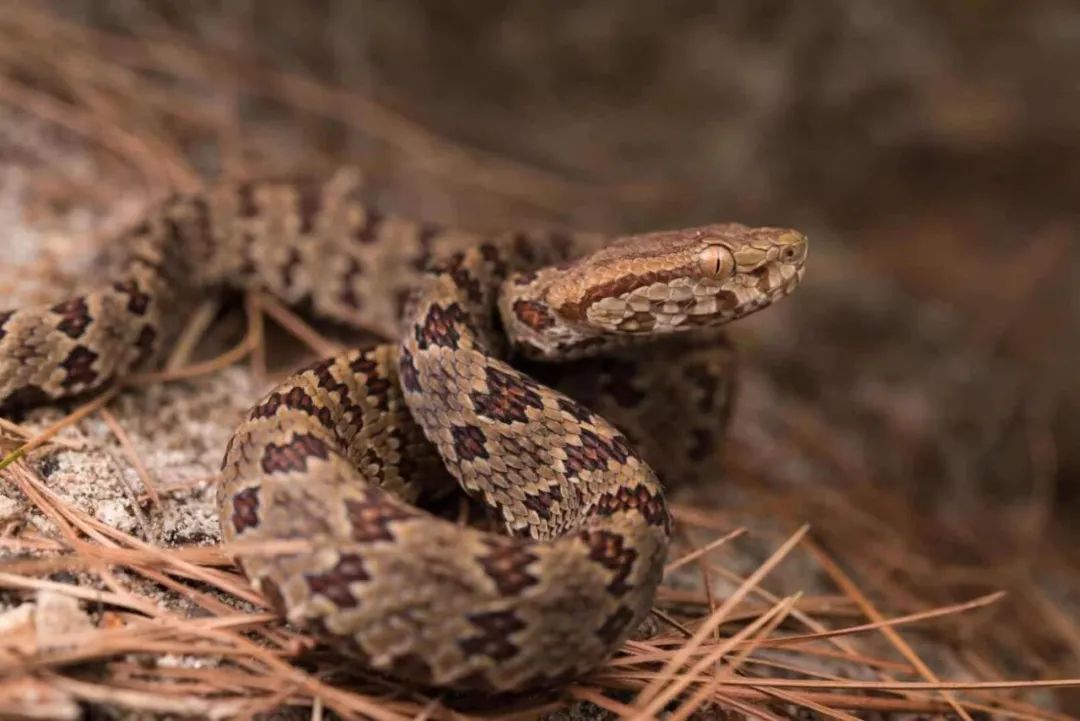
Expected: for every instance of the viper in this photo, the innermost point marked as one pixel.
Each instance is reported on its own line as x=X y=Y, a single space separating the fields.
x=320 y=483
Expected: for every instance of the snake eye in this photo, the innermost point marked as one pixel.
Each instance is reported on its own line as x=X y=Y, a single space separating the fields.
x=716 y=261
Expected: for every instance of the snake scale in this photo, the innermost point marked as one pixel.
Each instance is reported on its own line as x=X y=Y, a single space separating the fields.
x=336 y=457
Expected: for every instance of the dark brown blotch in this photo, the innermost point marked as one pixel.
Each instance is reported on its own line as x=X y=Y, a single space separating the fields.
x=410 y=378
x=370 y=516
x=245 y=513
x=640 y=498
x=78 y=365
x=293 y=455
x=138 y=301
x=468 y=442
x=610 y=551
x=267 y=408
x=325 y=380
x=496 y=628
x=594 y=453
x=506 y=563
x=145 y=345
x=495 y=259
x=317 y=368
x=534 y=315
x=334 y=584
x=25 y=397
x=542 y=503
x=575 y=409
x=463 y=279
x=74 y=317
x=363 y=363
x=441 y=327
x=296 y=398
x=468 y=284
x=379 y=389
x=508 y=397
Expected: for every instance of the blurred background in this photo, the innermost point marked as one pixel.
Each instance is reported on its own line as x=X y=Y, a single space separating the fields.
x=925 y=373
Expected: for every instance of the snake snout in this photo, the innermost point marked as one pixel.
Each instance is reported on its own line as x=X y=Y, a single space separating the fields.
x=784 y=274
x=793 y=248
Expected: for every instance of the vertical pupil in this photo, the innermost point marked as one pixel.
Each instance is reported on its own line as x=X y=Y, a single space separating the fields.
x=716 y=264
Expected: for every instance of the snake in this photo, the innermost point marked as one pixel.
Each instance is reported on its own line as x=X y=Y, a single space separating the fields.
x=321 y=486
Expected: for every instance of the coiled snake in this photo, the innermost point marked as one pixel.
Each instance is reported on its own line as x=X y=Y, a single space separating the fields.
x=336 y=456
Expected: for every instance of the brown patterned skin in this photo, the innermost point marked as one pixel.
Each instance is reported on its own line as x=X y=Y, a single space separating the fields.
x=332 y=459
x=672 y=400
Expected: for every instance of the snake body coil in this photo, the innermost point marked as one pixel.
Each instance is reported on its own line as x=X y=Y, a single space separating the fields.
x=331 y=460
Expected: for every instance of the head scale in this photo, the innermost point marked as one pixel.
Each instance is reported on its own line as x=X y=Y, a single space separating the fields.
x=651 y=284
x=665 y=282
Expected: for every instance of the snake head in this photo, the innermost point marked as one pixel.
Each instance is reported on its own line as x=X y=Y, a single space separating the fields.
x=678 y=280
